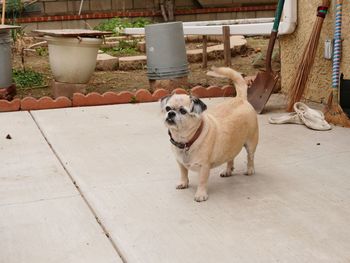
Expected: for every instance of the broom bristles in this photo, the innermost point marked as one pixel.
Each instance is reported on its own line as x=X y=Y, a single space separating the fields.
x=334 y=113
x=299 y=85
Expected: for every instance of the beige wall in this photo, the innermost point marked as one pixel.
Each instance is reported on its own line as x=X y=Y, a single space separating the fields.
x=292 y=47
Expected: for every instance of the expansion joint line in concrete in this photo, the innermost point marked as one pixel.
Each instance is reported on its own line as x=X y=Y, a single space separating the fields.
x=104 y=229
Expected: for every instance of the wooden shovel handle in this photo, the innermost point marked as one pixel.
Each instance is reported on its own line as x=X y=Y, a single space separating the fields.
x=270 y=47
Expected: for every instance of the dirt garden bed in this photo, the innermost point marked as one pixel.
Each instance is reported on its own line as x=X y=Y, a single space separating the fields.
x=249 y=61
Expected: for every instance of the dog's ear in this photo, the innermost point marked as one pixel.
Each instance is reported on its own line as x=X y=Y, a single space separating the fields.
x=198 y=106
x=164 y=100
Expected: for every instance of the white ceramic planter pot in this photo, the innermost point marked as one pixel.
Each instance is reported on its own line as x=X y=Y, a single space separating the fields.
x=73 y=60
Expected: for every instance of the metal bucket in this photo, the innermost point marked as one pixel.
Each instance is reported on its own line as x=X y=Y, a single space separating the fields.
x=166 y=51
x=345 y=94
x=5 y=59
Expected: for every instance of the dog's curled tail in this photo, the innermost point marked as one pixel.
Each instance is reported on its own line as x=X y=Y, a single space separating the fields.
x=236 y=77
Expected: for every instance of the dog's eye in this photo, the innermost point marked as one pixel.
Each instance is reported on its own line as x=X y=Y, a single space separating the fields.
x=183 y=111
x=167 y=108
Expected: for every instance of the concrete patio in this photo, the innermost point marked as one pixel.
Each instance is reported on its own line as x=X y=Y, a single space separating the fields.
x=97 y=184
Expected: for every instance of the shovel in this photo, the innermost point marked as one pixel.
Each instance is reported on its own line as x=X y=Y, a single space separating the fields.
x=264 y=83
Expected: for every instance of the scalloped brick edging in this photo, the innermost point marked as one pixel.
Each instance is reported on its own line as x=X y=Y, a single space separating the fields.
x=94 y=98
x=44 y=103
x=109 y=98
x=10 y=105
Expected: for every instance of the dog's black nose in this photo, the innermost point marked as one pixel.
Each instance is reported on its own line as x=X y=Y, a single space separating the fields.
x=171 y=114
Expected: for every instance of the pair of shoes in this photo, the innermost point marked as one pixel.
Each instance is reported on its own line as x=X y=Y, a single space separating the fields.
x=311 y=118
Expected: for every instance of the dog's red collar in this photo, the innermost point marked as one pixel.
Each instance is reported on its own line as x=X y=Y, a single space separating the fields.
x=187 y=145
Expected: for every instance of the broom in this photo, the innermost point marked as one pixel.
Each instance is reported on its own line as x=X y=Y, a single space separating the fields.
x=299 y=85
x=333 y=112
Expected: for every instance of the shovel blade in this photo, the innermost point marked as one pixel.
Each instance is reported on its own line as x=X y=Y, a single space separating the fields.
x=261 y=90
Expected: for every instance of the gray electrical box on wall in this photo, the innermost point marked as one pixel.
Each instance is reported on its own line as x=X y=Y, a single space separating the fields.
x=328 y=49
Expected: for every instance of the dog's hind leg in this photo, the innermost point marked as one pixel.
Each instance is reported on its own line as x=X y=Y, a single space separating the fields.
x=229 y=170
x=250 y=147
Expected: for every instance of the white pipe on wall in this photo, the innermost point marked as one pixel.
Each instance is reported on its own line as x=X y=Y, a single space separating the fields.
x=256 y=26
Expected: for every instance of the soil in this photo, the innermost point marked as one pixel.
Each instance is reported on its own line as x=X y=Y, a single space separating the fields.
x=247 y=63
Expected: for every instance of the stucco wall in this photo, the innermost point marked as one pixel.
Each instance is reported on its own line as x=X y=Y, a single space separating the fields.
x=292 y=47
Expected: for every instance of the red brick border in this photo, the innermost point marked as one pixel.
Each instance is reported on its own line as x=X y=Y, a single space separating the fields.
x=44 y=103
x=143 y=13
x=10 y=105
x=109 y=98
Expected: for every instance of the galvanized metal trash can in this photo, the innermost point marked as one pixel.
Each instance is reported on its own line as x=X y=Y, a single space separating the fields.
x=166 y=51
x=5 y=59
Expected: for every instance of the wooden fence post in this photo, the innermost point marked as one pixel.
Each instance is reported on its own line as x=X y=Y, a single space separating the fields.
x=227 y=46
x=205 y=54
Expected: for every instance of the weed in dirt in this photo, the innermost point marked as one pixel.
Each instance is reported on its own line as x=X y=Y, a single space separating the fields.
x=124 y=47
x=41 y=51
x=27 y=78
x=133 y=99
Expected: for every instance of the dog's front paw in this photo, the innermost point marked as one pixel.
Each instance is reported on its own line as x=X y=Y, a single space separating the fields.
x=250 y=171
x=226 y=173
x=201 y=196
x=182 y=185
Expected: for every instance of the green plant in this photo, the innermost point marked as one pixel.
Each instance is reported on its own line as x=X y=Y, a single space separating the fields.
x=140 y=22
x=13 y=8
x=27 y=78
x=41 y=51
x=116 y=25
x=125 y=47
x=133 y=100
x=17 y=34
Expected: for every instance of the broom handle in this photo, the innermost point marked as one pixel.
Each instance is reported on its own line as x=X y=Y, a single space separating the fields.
x=337 y=48
x=326 y=3
x=3 y=12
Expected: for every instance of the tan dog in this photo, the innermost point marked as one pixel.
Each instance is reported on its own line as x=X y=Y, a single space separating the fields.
x=203 y=139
